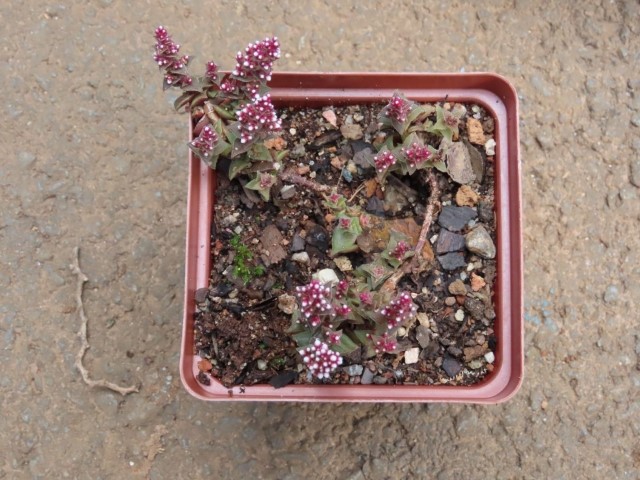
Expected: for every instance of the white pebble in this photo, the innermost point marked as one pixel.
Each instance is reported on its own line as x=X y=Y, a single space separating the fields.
x=327 y=276
x=292 y=131
x=490 y=147
x=489 y=357
x=459 y=316
x=411 y=355
x=300 y=257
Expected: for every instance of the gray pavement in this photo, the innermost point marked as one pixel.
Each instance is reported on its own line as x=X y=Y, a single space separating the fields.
x=94 y=157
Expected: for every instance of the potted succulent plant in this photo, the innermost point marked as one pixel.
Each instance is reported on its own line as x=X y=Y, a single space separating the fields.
x=350 y=237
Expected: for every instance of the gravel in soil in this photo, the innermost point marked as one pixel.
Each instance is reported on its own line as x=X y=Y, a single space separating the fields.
x=262 y=251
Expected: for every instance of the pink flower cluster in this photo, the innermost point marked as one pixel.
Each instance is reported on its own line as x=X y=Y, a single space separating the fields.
x=258 y=119
x=204 y=143
x=256 y=62
x=366 y=298
x=398 y=310
x=314 y=299
x=416 y=154
x=384 y=160
x=228 y=85
x=320 y=359
x=345 y=223
x=341 y=289
x=211 y=71
x=384 y=343
x=343 y=310
x=167 y=57
x=398 y=108
x=334 y=337
x=400 y=250
x=266 y=180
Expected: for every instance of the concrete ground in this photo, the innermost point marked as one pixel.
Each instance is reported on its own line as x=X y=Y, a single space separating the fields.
x=94 y=157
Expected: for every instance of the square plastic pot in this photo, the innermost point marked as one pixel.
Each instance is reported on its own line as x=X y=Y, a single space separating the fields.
x=491 y=91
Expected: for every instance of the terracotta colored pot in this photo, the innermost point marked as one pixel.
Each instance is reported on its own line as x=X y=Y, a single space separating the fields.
x=499 y=97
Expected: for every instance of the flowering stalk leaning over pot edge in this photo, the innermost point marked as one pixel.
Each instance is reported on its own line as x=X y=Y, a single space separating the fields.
x=234 y=111
x=167 y=58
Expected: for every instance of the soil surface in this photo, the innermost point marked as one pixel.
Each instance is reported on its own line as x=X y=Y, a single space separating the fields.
x=262 y=251
x=94 y=156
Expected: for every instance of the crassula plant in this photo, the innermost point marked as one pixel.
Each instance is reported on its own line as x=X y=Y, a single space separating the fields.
x=235 y=119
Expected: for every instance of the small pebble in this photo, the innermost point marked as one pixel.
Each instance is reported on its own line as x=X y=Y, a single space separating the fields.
x=451 y=366
x=450 y=301
x=457 y=288
x=300 y=257
x=262 y=365
x=297 y=244
x=354 y=370
x=490 y=147
x=423 y=319
x=229 y=220
x=293 y=131
x=475 y=364
x=459 y=316
x=330 y=116
x=343 y=264
x=480 y=242
x=367 y=377
x=401 y=332
x=327 y=276
x=287 y=192
x=287 y=303
x=489 y=357
x=423 y=335
x=411 y=356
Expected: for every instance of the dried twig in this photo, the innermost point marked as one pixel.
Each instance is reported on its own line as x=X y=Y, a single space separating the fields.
x=358 y=190
x=432 y=203
x=289 y=176
x=82 y=278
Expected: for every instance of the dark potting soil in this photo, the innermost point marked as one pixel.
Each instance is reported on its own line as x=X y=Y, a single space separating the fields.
x=241 y=323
